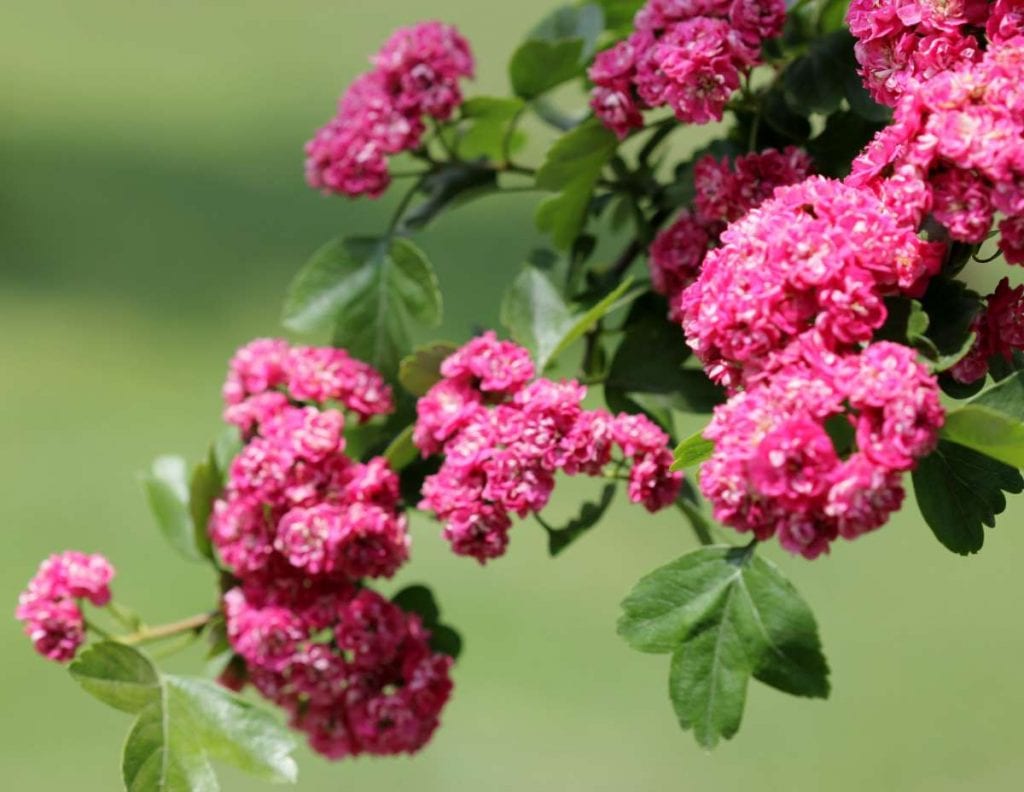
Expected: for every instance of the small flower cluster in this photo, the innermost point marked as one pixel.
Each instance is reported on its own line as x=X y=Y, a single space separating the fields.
x=354 y=671
x=723 y=194
x=49 y=606
x=685 y=54
x=299 y=525
x=504 y=435
x=1000 y=332
x=818 y=258
x=957 y=140
x=776 y=470
x=902 y=43
x=415 y=74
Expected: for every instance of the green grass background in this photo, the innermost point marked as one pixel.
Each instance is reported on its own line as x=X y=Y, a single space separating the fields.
x=151 y=212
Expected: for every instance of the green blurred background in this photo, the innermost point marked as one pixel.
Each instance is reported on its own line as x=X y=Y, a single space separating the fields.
x=152 y=210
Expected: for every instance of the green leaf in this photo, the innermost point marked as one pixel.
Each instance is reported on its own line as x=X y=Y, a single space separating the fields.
x=619 y=13
x=660 y=376
x=490 y=122
x=584 y=21
x=452 y=185
x=993 y=422
x=421 y=370
x=725 y=615
x=692 y=451
x=193 y=722
x=959 y=491
x=182 y=724
x=401 y=452
x=117 y=675
x=204 y=488
x=814 y=82
x=167 y=491
x=419 y=599
x=589 y=515
x=226 y=448
x=579 y=324
x=572 y=168
x=538 y=66
x=534 y=312
x=371 y=288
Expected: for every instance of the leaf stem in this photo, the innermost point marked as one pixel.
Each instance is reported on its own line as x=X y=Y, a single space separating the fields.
x=159 y=632
x=403 y=205
x=698 y=522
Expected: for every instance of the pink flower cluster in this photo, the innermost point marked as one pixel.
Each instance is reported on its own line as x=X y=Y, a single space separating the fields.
x=1000 y=331
x=902 y=43
x=723 y=194
x=504 y=435
x=415 y=74
x=685 y=54
x=781 y=314
x=957 y=140
x=354 y=671
x=815 y=260
x=300 y=524
x=775 y=468
x=49 y=606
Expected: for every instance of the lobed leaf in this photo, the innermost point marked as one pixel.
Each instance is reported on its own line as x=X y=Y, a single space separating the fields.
x=182 y=725
x=724 y=615
x=589 y=515
x=959 y=491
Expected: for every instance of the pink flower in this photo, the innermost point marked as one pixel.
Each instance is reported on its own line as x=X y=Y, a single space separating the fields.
x=816 y=259
x=686 y=54
x=446 y=409
x=775 y=469
x=416 y=73
x=1000 y=331
x=490 y=365
x=48 y=606
x=677 y=253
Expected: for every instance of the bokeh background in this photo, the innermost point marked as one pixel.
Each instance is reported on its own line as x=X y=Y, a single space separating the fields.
x=152 y=211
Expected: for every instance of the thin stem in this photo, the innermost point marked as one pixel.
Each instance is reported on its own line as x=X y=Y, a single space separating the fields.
x=403 y=205
x=698 y=522
x=93 y=627
x=409 y=174
x=988 y=260
x=123 y=616
x=161 y=631
x=439 y=134
x=506 y=141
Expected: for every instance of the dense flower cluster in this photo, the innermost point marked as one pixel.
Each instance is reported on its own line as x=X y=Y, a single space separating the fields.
x=49 y=609
x=1000 y=332
x=504 y=435
x=776 y=469
x=959 y=138
x=818 y=259
x=723 y=194
x=300 y=524
x=687 y=55
x=354 y=671
x=415 y=74
x=902 y=43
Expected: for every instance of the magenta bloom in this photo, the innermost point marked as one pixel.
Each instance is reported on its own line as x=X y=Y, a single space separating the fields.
x=416 y=74
x=775 y=470
x=48 y=607
x=354 y=671
x=688 y=55
x=505 y=437
x=817 y=258
x=1000 y=332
